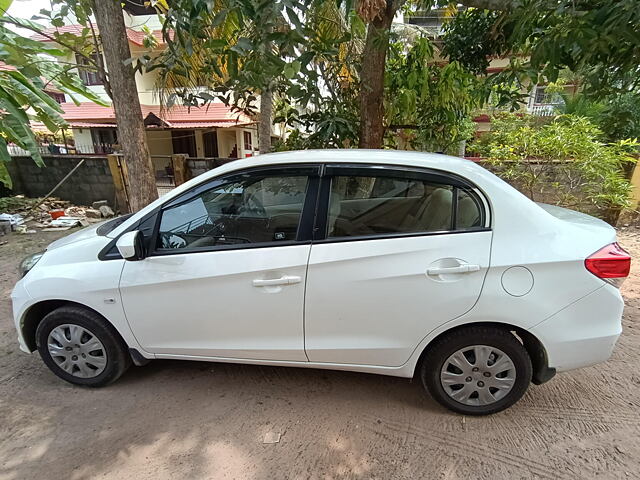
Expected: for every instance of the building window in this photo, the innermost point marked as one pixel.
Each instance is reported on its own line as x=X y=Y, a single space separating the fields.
x=542 y=97
x=210 y=140
x=57 y=96
x=184 y=141
x=247 y=142
x=87 y=71
x=104 y=139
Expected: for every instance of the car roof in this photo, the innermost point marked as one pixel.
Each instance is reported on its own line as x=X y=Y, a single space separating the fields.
x=388 y=157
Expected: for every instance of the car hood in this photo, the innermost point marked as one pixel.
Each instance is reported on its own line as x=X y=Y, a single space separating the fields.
x=80 y=235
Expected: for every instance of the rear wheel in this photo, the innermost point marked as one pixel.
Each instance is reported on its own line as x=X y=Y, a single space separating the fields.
x=477 y=370
x=79 y=346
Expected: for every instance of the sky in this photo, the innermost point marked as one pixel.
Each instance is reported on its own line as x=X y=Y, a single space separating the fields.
x=28 y=8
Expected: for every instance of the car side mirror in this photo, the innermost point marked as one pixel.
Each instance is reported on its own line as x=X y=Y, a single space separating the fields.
x=131 y=245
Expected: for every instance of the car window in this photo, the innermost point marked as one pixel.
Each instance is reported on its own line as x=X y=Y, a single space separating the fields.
x=469 y=214
x=253 y=209
x=371 y=205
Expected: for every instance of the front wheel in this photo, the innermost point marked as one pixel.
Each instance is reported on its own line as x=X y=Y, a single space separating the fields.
x=79 y=346
x=477 y=370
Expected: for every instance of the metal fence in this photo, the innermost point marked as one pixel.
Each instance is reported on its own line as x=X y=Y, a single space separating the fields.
x=61 y=149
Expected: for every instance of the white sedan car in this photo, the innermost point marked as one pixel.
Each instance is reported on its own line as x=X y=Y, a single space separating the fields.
x=397 y=263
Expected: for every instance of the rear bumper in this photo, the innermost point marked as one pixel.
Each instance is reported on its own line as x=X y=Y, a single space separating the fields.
x=585 y=332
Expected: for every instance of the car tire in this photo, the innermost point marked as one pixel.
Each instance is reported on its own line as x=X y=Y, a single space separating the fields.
x=81 y=347
x=455 y=372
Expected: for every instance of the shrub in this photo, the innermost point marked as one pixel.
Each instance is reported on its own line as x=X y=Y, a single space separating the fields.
x=562 y=161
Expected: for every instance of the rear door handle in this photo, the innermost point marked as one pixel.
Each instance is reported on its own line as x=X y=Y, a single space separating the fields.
x=462 y=268
x=286 y=280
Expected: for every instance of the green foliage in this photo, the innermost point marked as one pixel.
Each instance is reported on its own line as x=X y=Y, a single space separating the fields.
x=428 y=103
x=563 y=160
x=233 y=48
x=596 y=38
x=470 y=38
x=22 y=89
x=17 y=204
x=620 y=118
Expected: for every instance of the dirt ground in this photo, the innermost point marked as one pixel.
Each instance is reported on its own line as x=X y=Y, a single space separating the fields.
x=187 y=420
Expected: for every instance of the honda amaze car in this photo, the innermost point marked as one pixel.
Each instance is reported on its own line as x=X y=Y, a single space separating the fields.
x=396 y=263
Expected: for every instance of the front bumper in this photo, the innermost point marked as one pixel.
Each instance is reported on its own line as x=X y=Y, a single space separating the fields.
x=20 y=301
x=585 y=332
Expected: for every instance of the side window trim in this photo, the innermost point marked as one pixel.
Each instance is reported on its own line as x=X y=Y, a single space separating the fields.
x=305 y=224
x=367 y=170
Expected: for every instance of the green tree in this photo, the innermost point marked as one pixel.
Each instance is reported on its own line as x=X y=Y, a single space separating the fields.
x=426 y=103
x=231 y=50
x=105 y=50
x=597 y=39
x=29 y=69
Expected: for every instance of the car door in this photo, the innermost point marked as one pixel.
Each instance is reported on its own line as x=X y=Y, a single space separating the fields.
x=226 y=270
x=397 y=253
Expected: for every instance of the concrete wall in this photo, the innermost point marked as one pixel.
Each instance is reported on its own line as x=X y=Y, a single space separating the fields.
x=91 y=182
x=198 y=166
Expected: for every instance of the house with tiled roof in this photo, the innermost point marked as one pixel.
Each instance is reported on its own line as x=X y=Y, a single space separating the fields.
x=214 y=130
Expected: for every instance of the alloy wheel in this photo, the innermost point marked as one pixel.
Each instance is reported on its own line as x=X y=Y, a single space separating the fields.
x=478 y=375
x=77 y=351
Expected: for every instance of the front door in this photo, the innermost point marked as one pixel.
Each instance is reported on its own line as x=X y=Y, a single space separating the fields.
x=400 y=253
x=226 y=273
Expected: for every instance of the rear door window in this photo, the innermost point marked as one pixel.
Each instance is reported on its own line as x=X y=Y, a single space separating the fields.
x=362 y=205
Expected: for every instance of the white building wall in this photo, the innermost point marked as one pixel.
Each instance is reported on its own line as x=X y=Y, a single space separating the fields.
x=83 y=140
x=159 y=142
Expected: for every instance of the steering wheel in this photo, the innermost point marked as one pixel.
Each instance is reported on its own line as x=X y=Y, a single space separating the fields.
x=252 y=204
x=172 y=240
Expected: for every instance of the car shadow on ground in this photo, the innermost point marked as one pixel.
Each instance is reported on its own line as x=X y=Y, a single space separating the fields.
x=295 y=380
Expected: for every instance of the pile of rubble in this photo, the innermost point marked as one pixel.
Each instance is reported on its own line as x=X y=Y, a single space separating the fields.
x=51 y=214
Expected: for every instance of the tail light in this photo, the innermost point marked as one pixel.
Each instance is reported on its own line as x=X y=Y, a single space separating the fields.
x=611 y=263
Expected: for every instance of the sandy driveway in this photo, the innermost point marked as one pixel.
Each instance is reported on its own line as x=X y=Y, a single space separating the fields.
x=198 y=420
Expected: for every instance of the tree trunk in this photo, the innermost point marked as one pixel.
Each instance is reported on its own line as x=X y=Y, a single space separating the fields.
x=131 y=132
x=372 y=79
x=266 y=115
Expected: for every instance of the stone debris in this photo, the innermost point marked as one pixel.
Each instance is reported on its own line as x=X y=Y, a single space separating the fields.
x=51 y=214
x=271 y=437
x=106 y=211
x=91 y=213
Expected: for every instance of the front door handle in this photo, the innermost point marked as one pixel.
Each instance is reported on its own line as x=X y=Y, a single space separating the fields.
x=462 y=268
x=270 y=282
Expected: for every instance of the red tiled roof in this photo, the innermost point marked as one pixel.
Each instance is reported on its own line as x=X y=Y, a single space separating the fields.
x=214 y=115
x=135 y=36
x=4 y=66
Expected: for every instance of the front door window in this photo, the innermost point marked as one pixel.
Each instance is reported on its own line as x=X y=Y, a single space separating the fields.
x=252 y=209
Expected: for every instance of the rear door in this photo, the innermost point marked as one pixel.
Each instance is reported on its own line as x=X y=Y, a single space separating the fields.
x=397 y=252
